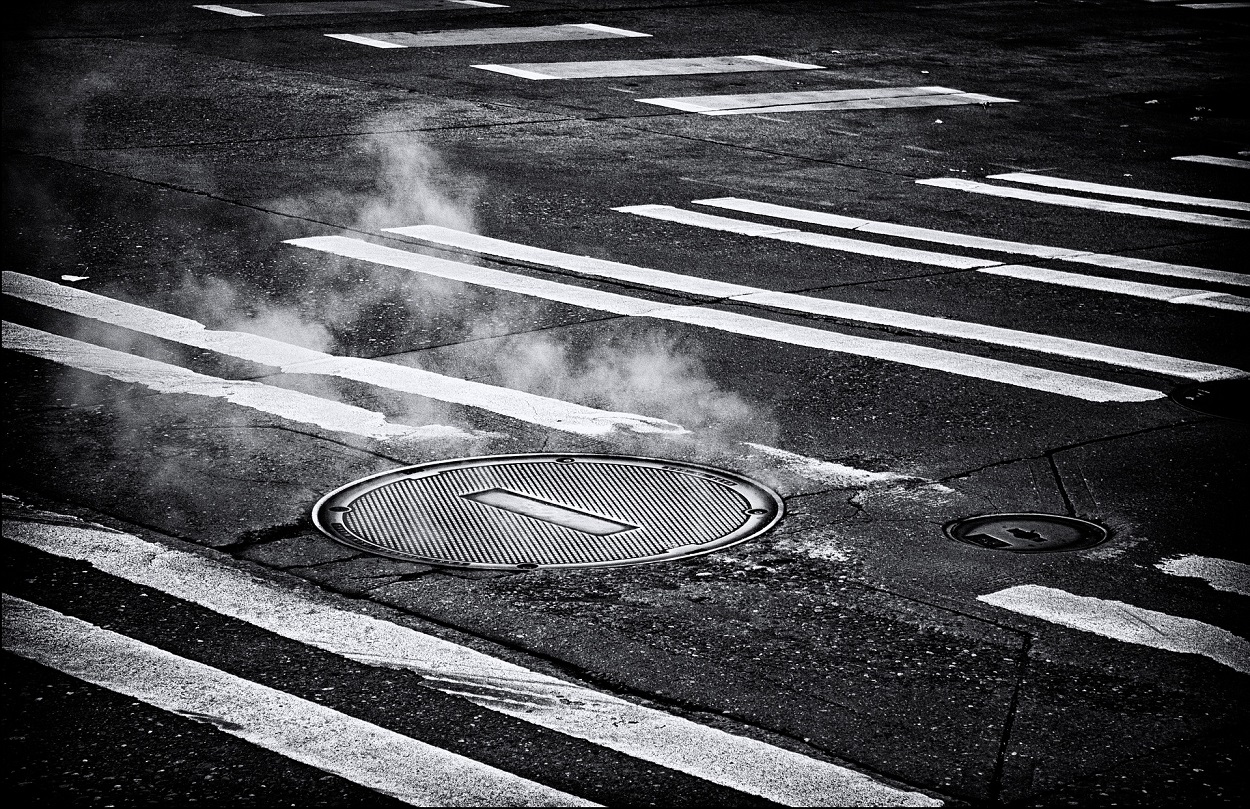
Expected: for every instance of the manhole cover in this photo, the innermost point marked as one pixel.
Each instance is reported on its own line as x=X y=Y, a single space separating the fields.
x=541 y=511
x=1229 y=398
x=1026 y=533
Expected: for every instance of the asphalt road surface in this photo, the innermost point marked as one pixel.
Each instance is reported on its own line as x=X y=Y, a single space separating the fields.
x=902 y=263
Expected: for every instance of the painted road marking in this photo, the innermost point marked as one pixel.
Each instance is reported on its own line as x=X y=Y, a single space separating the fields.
x=1118 y=191
x=648 y=734
x=352 y=7
x=1084 y=202
x=951 y=362
x=1230 y=162
x=292 y=359
x=165 y=378
x=860 y=99
x=646 y=67
x=658 y=279
x=548 y=512
x=1125 y=622
x=1193 y=297
x=411 y=771
x=488 y=36
x=1213 y=6
x=1221 y=574
x=976 y=242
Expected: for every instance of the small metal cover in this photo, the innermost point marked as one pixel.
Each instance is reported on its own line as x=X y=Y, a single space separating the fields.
x=1229 y=398
x=509 y=512
x=1026 y=533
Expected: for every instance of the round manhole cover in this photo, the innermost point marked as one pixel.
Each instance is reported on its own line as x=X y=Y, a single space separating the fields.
x=1229 y=398
x=1026 y=533
x=548 y=511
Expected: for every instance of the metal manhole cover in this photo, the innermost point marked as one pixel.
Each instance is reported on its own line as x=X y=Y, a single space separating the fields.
x=1026 y=533
x=1229 y=398
x=548 y=511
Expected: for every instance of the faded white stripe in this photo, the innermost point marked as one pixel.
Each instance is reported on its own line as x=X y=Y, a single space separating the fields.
x=645 y=67
x=976 y=242
x=1213 y=6
x=165 y=378
x=1193 y=297
x=234 y=12
x=408 y=770
x=668 y=213
x=950 y=100
x=1230 y=162
x=968 y=365
x=515 y=71
x=590 y=26
x=754 y=100
x=361 y=39
x=703 y=752
x=1091 y=204
x=1221 y=574
x=658 y=279
x=491 y=36
x=552 y=413
x=1118 y=191
x=1125 y=622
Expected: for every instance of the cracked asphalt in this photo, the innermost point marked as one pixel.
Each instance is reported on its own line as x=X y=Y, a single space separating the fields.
x=166 y=156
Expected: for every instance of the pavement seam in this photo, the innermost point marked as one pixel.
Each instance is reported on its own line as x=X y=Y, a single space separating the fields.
x=1000 y=761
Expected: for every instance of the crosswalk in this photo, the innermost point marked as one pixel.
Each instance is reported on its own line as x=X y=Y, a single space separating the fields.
x=344 y=7
x=568 y=32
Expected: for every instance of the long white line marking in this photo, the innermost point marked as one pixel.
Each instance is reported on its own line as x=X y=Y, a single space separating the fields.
x=552 y=413
x=1194 y=297
x=645 y=67
x=952 y=100
x=816 y=100
x=968 y=365
x=488 y=36
x=1125 y=622
x=234 y=12
x=584 y=265
x=739 y=763
x=1091 y=204
x=1213 y=6
x=1231 y=577
x=1229 y=162
x=976 y=242
x=1118 y=191
x=408 y=770
x=165 y=378
x=668 y=213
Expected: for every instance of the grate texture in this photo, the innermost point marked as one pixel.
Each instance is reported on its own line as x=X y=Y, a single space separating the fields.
x=548 y=511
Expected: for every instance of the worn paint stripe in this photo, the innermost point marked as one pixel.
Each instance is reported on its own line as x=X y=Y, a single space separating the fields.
x=951 y=362
x=408 y=770
x=1213 y=6
x=1192 y=297
x=291 y=359
x=490 y=36
x=645 y=733
x=752 y=100
x=1229 y=162
x=668 y=213
x=1118 y=191
x=975 y=242
x=371 y=40
x=645 y=67
x=1084 y=202
x=1125 y=622
x=1221 y=574
x=234 y=12
x=165 y=378
x=951 y=100
x=658 y=279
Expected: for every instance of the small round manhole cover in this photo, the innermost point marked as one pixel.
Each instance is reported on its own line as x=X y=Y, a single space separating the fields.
x=1228 y=398
x=1026 y=533
x=547 y=511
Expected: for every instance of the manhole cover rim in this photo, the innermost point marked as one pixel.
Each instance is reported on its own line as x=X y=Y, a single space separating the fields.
x=1100 y=532
x=765 y=507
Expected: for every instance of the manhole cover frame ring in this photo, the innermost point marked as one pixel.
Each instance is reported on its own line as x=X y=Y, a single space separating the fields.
x=1103 y=532
x=764 y=511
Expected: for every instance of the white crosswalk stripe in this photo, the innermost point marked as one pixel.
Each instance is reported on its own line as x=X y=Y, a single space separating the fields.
x=1229 y=162
x=968 y=365
x=163 y=377
x=740 y=763
x=1085 y=202
x=823 y=100
x=859 y=225
x=344 y=7
x=488 y=36
x=408 y=770
x=1126 y=358
x=646 y=67
x=1045 y=181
